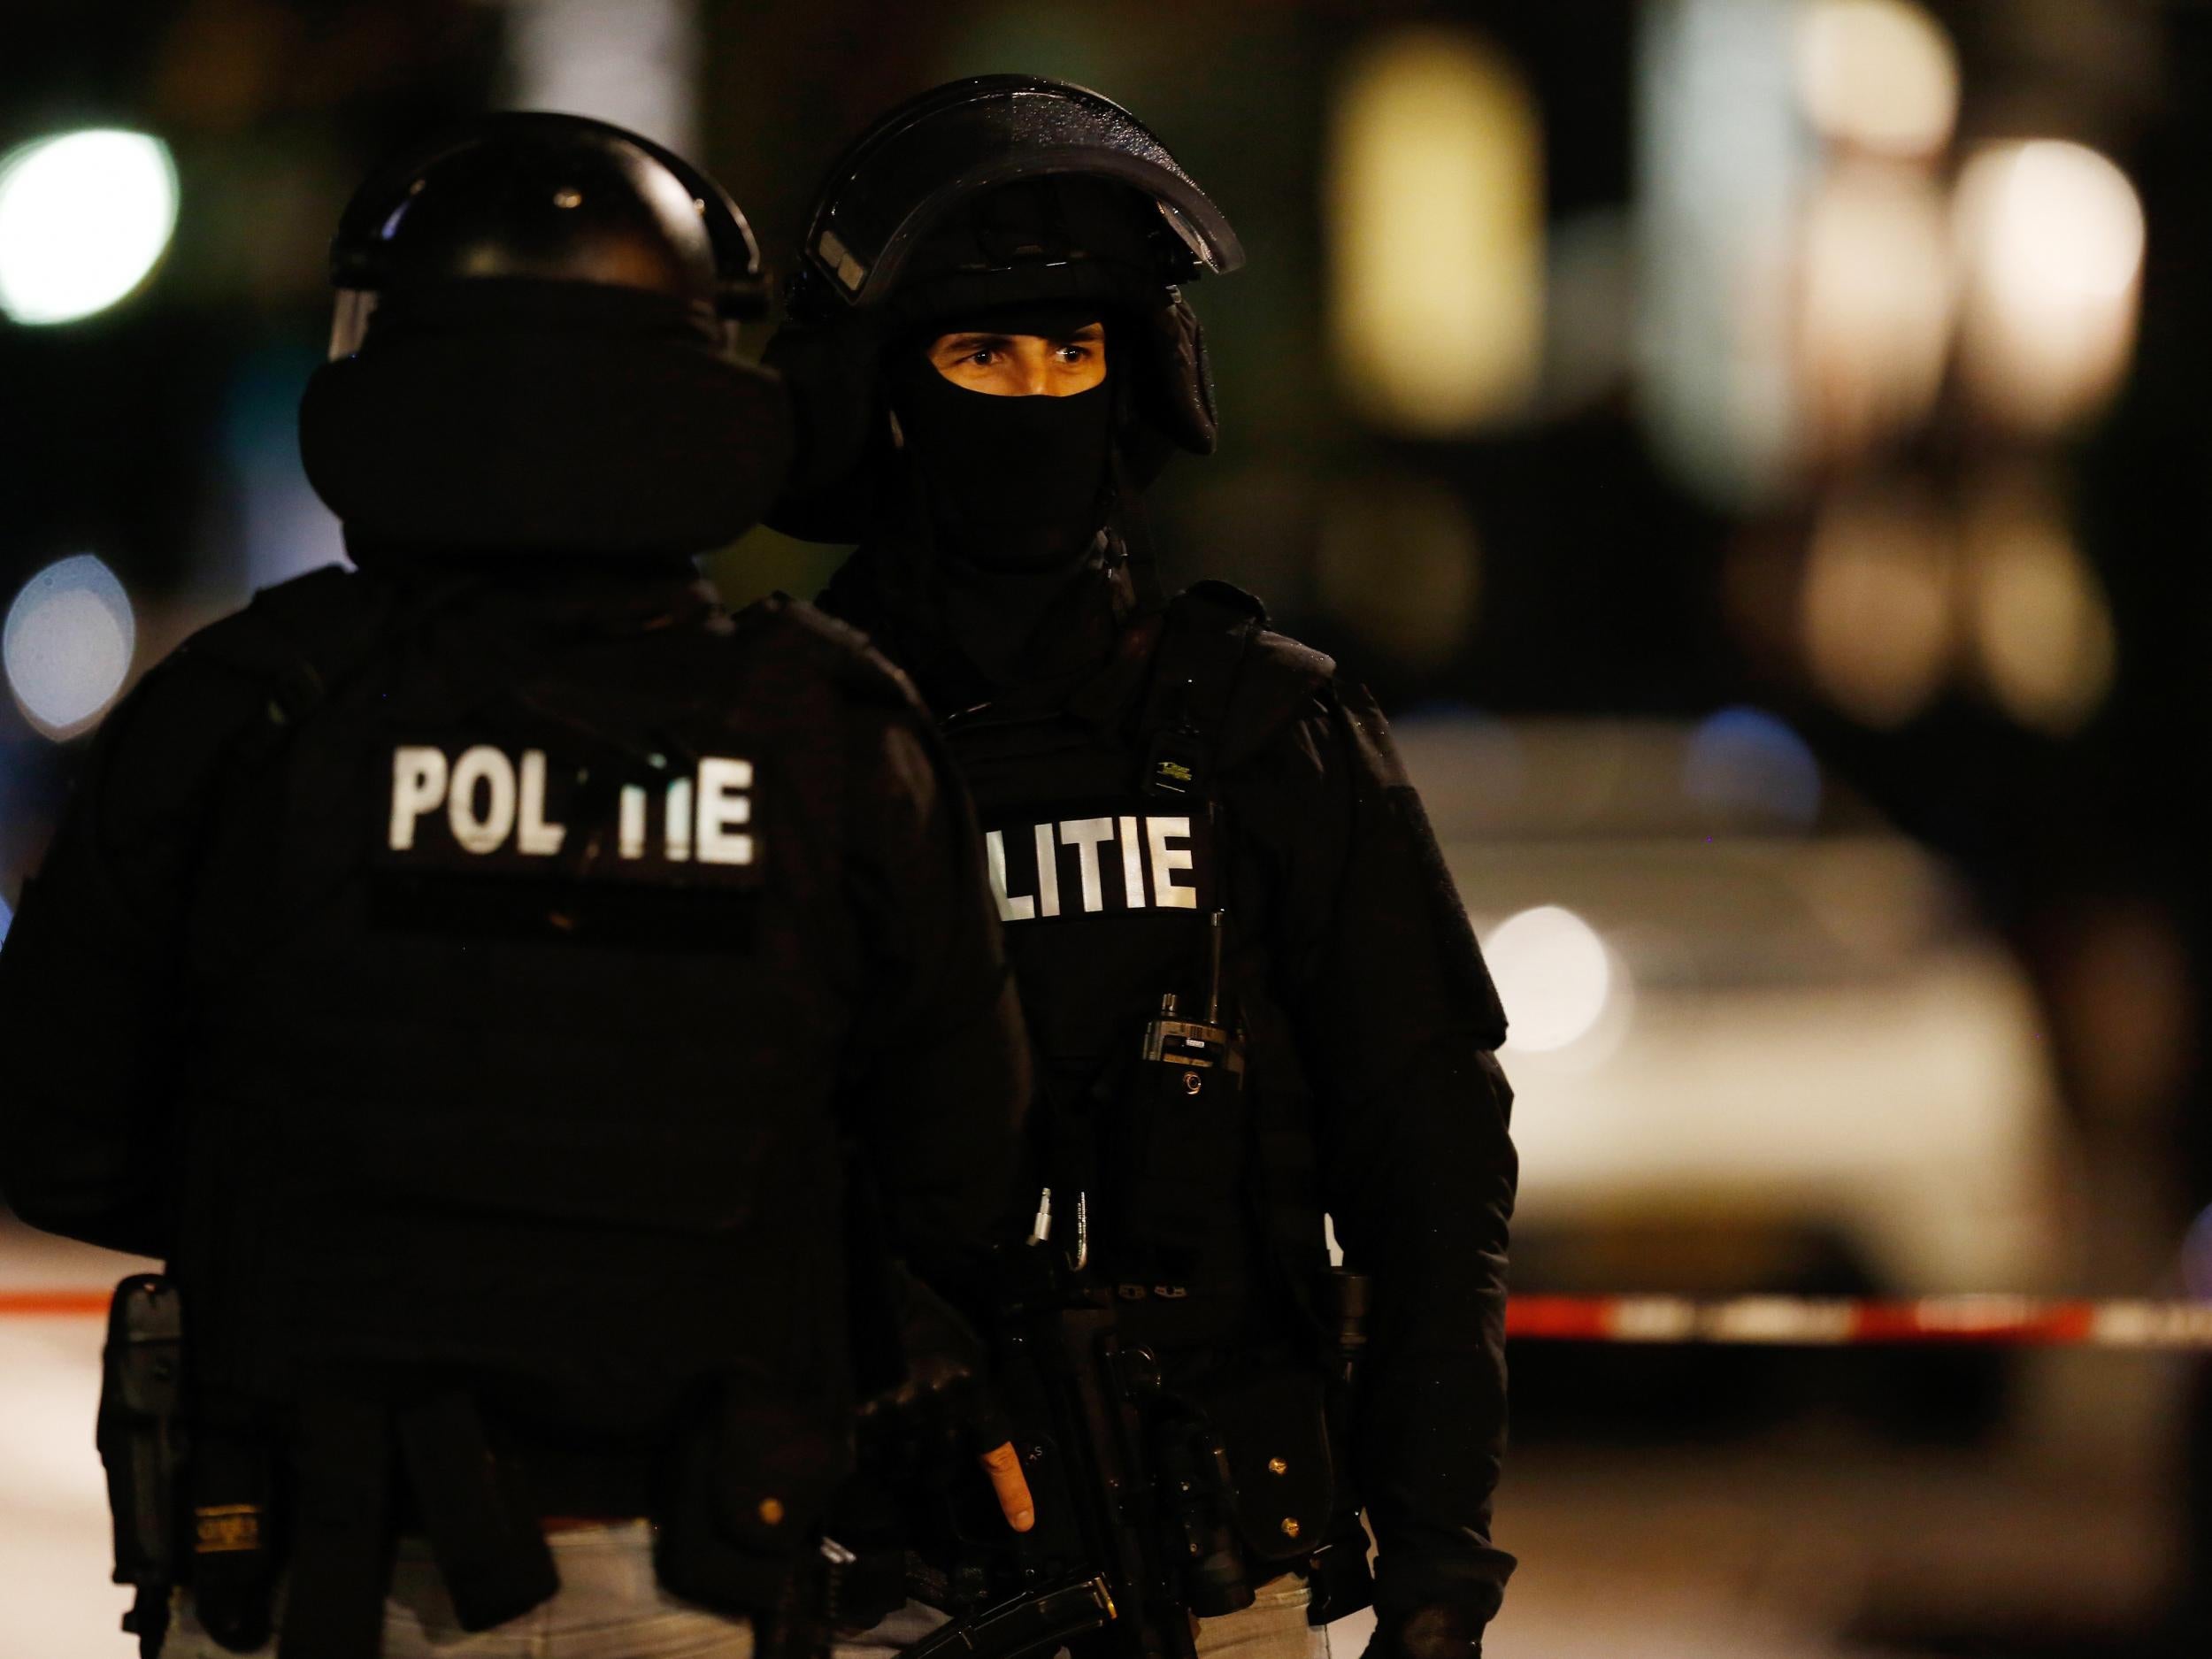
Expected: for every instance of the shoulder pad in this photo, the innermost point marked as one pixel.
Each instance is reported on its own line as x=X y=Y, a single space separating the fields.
x=295 y=606
x=1227 y=597
x=1279 y=680
x=838 y=647
x=307 y=625
x=1249 y=680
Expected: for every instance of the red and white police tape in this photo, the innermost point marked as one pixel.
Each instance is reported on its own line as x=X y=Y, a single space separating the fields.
x=1736 y=1322
x=1838 y=1322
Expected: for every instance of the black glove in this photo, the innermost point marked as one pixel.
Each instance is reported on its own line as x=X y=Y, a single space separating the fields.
x=1436 y=1631
x=942 y=1397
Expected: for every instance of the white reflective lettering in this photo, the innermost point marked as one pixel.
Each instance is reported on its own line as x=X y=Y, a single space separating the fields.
x=1131 y=865
x=1165 y=892
x=488 y=767
x=1016 y=908
x=630 y=835
x=533 y=834
x=1047 y=872
x=724 y=804
x=1084 y=834
x=677 y=824
x=418 y=786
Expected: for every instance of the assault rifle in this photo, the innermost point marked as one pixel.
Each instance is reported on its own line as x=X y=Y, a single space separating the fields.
x=1144 y=1516
x=1081 y=1402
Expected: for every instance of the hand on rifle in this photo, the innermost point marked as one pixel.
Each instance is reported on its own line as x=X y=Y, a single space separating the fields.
x=1003 y=1464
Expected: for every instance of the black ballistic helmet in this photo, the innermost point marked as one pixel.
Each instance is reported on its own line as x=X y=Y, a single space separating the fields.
x=1005 y=191
x=534 y=350
x=903 y=178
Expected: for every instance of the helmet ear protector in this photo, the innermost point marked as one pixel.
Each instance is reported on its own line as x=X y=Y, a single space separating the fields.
x=369 y=255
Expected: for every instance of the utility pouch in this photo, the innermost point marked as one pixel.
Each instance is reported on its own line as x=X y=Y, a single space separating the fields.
x=483 y=1527
x=141 y=1445
x=1282 y=1480
x=341 y=1561
x=1185 y=1120
x=233 y=1545
x=1183 y=1125
x=742 y=1506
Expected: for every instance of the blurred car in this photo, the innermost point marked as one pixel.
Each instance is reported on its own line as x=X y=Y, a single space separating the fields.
x=1759 y=1041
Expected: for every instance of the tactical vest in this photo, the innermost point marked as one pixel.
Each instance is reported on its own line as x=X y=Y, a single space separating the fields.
x=520 y=981
x=1112 y=843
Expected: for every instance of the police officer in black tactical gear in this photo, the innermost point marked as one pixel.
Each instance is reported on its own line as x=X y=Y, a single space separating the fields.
x=1254 y=995
x=479 y=974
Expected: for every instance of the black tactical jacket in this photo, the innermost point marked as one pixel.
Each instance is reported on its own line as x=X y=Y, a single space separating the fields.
x=487 y=972
x=1375 y=1094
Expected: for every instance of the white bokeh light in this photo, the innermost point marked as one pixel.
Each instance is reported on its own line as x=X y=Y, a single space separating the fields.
x=68 y=644
x=1553 y=975
x=2051 y=235
x=83 y=217
x=1879 y=74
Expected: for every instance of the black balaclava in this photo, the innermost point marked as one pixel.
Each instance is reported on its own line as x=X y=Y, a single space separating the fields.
x=1009 y=498
x=1010 y=484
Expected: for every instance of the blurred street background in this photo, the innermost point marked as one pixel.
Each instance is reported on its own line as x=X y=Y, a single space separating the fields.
x=1756 y=450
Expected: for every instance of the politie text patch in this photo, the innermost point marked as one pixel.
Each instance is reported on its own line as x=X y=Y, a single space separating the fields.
x=1058 y=863
x=482 y=809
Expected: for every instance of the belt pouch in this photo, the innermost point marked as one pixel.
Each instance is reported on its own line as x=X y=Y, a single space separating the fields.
x=342 y=1548
x=232 y=1569
x=750 y=1484
x=484 y=1530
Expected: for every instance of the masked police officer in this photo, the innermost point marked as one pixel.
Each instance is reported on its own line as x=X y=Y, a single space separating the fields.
x=988 y=303
x=478 y=973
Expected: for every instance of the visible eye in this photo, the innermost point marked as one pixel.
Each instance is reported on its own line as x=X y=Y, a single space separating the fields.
x=982 y=356
x=1074 y=351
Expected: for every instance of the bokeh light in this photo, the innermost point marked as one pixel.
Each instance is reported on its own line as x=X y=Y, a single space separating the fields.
x=1724 y=166
x=1880 y=74
x=7 y=915
x=2051 y=238
x=68 y=644
x=1434 y=211
x=623 y=61
x=1875 y=611
x=1746 y=764
x=2040 y=627
x=1553 y=973
x=1877 y=303
x=83 y=218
